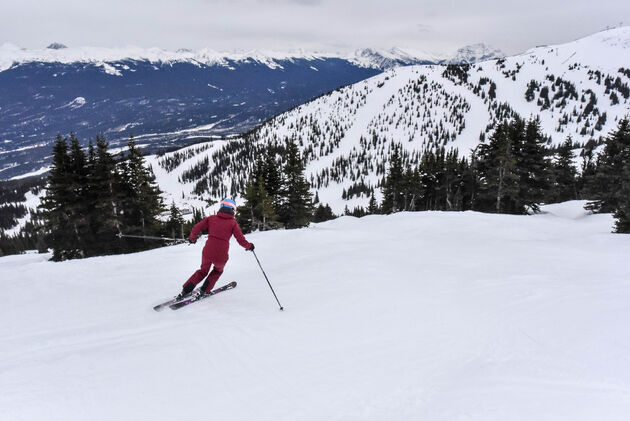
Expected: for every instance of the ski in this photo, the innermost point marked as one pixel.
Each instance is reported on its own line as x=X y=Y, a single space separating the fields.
x=165 y=304
x=177 y=306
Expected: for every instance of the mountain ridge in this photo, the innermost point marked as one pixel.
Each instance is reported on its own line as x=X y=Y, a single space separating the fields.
x=346 y=136
x=377 y=58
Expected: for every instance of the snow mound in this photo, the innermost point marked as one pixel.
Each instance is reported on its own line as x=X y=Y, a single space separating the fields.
x=570 y=210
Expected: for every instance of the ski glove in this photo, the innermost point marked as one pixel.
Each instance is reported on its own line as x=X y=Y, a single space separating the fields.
x=251 y=248
x=192 y=241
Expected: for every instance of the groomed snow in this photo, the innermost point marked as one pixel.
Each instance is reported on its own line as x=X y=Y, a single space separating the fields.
x=414 y=316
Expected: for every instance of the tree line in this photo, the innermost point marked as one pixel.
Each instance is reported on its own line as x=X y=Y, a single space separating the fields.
x=277 y=195
x=513 y=172
x=92 y=197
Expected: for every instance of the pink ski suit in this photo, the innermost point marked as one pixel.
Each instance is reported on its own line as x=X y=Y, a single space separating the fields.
x=220 y=228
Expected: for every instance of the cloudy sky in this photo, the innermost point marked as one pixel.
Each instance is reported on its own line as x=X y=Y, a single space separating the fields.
x=323 y=25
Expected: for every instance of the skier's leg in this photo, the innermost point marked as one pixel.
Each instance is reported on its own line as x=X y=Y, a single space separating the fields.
x=197 y=276
x=211 y=280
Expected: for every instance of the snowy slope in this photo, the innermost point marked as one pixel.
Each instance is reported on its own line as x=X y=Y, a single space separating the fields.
x=474 y=53
x=432 y=315
x=579 y=89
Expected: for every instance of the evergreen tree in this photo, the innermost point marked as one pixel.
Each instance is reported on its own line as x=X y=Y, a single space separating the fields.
x=373 y=205
x=174 y=227
x=323 y=213
x=394 y=189
x=78 y=204
x=564 y=174
x=588 y=170
x=606 y=184
x=257 y=213
x=271 y=175
x=511 y=171
x=532 y=164
x=429 y=174
x=142 y=202
x=55 y=206
x=453 y=181
x=497 y=172
x=622 y=212
x=295 y=208
x=105 y=196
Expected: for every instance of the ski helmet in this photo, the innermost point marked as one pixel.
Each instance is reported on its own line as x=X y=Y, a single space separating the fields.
x=228 y=203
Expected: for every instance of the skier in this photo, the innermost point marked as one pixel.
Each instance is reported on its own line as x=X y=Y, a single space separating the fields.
x=220 y=228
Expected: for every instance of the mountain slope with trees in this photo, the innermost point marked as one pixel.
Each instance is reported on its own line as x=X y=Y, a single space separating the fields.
x=577 y=93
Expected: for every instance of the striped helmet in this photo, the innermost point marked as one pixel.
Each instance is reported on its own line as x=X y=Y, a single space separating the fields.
x=228 y=203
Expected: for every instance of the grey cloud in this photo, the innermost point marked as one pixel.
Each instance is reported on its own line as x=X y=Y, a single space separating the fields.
x=432 y=25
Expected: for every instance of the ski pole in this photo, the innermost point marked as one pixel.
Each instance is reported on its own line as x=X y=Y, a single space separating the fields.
x=263 y=271
x=148 y=237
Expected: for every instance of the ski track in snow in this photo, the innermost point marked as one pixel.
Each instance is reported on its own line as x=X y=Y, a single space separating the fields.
x=429 y=315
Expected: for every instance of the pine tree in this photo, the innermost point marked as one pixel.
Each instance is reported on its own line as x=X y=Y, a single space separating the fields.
x=428 y=171
x=175 y=225
x=60 y=234
x=622 y=212
x=606 y=184
x=105 y=196
x=393 y=191
x=295 y=208
x=78 y=203
x=142 y=202
x=88 y=202
x=588 y=170
x=373 y=205
x=532 y=165
x=323 y=213
x=497 y=172
x=564 y=174
x=453 y=181
x=271 y=175
x=257 y=213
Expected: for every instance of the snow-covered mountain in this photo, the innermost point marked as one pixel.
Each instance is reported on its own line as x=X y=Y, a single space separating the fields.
x=414 y=316
x=166 y=98
x=579 y=89
x=163 y=99
x=381 y=59
x=388 y=59
x=475 y=53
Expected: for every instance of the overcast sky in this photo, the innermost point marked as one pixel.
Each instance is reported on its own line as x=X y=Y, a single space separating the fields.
x=325 y=25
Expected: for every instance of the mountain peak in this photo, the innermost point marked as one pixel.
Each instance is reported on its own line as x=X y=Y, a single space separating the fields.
x=474 y=53
x=56 y=46
x=386 y=59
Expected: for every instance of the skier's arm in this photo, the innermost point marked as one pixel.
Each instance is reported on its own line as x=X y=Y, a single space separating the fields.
x=199 y=226
x=238 y=234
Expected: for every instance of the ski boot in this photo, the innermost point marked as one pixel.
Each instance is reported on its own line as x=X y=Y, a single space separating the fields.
x=201 y=294
x=181 y=296
x=186 y=292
